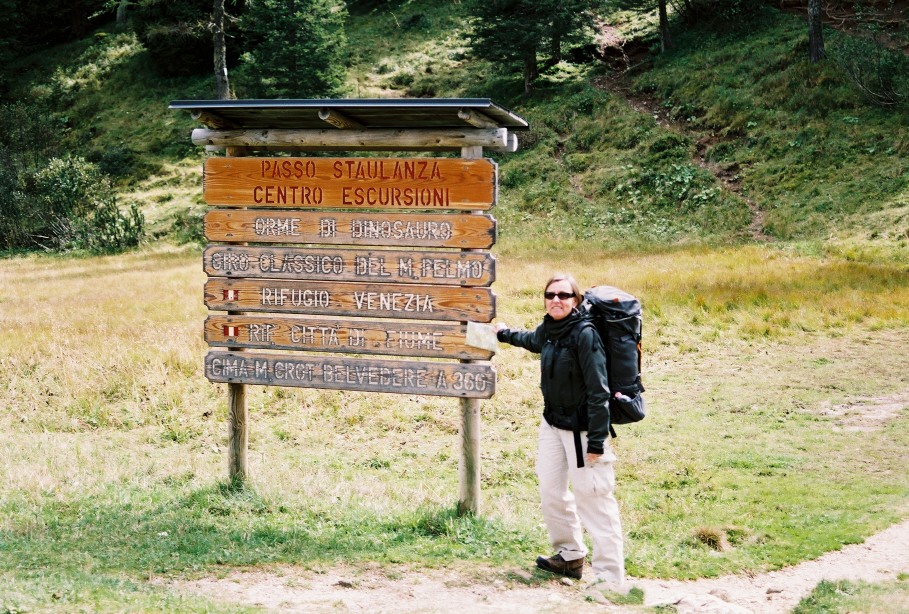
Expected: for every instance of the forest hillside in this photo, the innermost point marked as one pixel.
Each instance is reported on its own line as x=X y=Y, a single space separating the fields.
x=730 y=134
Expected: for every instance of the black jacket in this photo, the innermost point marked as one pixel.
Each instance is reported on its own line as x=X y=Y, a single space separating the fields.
x=573 y=376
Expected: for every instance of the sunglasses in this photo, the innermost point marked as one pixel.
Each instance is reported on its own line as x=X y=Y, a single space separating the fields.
x=563 y=296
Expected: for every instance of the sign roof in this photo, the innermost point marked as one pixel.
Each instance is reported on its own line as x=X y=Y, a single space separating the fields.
x=386 y=113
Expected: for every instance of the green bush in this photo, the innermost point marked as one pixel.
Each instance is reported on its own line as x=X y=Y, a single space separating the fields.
x=116 y=161
x=26 y=138
x=188 y=225
x=881 y=74
x=75 y=208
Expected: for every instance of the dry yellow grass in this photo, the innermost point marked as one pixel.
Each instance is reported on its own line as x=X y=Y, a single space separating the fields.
x=103 y=392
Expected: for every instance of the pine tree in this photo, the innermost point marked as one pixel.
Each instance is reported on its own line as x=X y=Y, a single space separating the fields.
x=513 y=32
x=295 y=48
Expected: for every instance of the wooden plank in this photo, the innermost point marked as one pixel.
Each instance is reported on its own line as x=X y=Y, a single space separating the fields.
x=373 y=265
x=472 y=380
x=351 y=140
x=356 y=183
x=418 y=302
x=342 y=336
x=336 y=228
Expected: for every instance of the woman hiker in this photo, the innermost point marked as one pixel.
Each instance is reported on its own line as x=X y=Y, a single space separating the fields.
x=573 y=441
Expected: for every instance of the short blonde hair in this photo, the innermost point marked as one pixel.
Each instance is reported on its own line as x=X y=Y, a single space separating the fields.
x=571 y=281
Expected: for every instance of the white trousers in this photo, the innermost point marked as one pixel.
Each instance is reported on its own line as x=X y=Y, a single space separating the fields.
x=592 y=502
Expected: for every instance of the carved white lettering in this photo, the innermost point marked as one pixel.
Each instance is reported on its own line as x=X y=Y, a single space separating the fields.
x=261 y=333
x=393 y=301
x=399 y=229
x=229 y=367
x=368 y=375
x=276 y=227
x=229 y=261
x=370 y=266
x=298 y=371
x=413 y=340
x=270 y=262
x=298 y=298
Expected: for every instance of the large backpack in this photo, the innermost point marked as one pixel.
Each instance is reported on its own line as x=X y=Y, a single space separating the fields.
x=617 y=318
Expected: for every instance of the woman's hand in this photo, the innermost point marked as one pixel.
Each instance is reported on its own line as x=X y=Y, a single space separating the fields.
x=590 y=459
x=499 y=326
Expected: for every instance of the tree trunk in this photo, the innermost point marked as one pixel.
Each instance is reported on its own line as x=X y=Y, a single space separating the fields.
x=294 y=68
x=816 y=51
x=665 y=36
x=219 y=42
x=530 y=71
x=555 y=51
x=121 y=13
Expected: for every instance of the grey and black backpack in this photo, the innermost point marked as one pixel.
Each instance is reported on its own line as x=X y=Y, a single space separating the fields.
x=617 y=318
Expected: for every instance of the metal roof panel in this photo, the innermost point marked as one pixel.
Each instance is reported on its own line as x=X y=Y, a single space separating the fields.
x=369 y=112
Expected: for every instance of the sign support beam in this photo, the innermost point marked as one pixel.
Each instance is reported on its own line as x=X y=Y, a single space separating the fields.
x=238 y=408
x=469 y=464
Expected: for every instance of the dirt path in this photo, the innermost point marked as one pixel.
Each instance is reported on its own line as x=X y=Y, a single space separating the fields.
x=881 y=557
x=466 y=591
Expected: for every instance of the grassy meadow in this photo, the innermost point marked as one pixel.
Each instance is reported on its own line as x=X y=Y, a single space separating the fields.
x=759 y=361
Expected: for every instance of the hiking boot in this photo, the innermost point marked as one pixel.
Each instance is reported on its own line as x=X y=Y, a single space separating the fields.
x=556 y=564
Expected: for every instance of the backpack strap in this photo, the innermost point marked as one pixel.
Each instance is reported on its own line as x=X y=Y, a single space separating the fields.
x=573 y=343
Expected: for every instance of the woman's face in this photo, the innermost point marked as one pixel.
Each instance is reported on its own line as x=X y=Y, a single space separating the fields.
x=557 y=307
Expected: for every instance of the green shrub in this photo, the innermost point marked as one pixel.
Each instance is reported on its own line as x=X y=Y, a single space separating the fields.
x=882 y=75
x=75 y=208
x=26 y=138
x=116 y=161
x=188 y=226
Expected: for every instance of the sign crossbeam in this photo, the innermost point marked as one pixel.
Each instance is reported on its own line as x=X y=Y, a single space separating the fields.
x=496 y=139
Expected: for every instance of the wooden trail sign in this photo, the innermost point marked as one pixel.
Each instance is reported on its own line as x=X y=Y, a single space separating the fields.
x=385 y=266
x=464 y=231
x=466 y=380
x=322 y=220
x=419 y=302
x=389 y=337
x=353 y=183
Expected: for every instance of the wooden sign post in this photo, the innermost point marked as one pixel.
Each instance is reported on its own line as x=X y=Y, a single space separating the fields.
x=324 y=269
